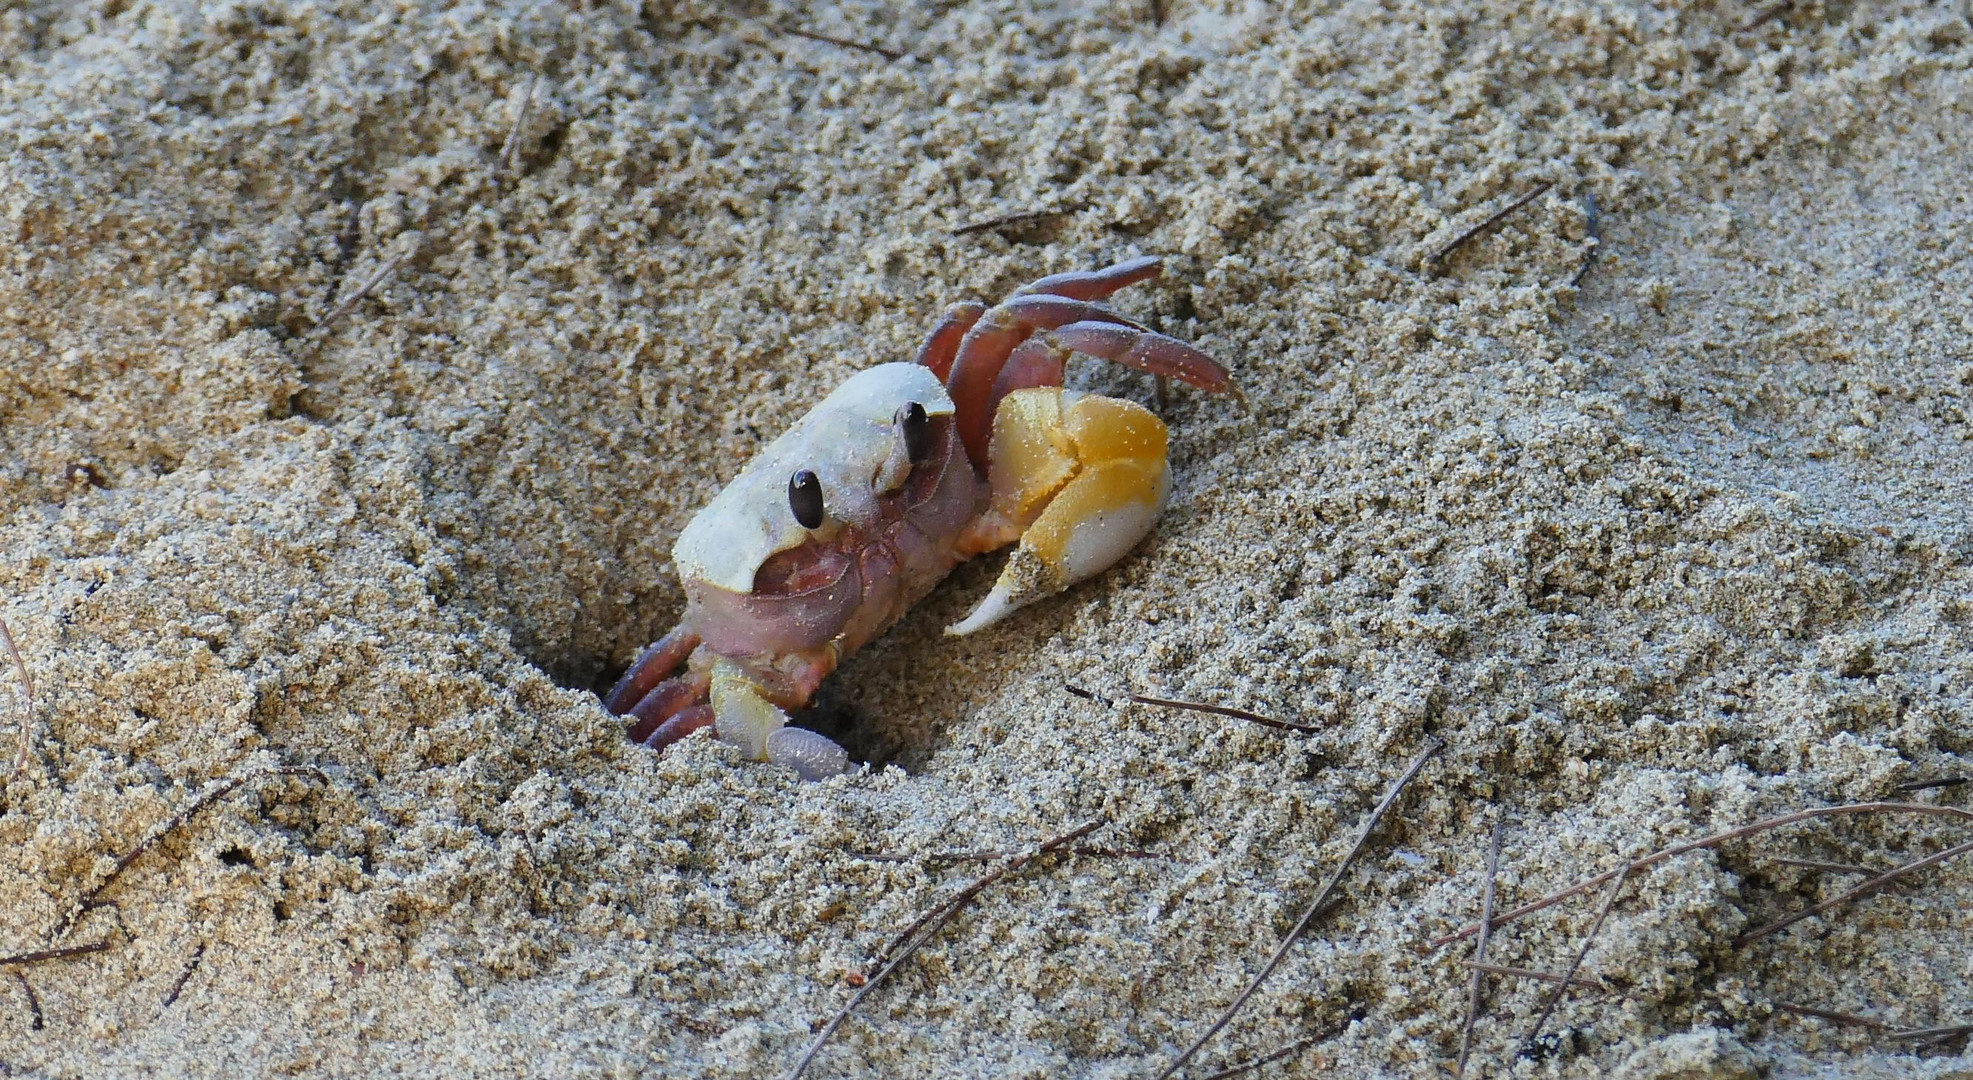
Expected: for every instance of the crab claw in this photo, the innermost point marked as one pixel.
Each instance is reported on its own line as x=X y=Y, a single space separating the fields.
x=1080 y=478
x=747 y=719
x=663 y=710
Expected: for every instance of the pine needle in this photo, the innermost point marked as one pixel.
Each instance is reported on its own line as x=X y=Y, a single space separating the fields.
x=1480 y=949
x=27 y=691
x=1569 y=976
x=921 y=931
x=1712 y=841
x=1319 y=905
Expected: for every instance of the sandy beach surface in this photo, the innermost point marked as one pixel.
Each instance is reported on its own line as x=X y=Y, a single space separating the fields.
x=360 y=362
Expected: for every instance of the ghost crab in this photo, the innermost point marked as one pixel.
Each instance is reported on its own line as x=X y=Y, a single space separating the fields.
x=859 y=509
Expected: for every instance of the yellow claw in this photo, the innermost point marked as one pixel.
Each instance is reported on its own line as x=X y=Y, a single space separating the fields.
x=745 y=717
x=1083 y=476
x=748 y=720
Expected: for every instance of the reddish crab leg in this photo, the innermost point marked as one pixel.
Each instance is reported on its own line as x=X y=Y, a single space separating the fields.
x=985 y=349
x=1145 y=351
x=981 y=356
x=1056 y=300
x=666 y=701
x=1045 y=312
x=651 y=668
x=684 y=723
x=1065 y=304
x=943 y=343
x=1033 y=362
x=1097 y=284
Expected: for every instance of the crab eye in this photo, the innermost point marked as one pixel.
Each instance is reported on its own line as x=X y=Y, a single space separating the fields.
x=915 y=428
x=805 y=498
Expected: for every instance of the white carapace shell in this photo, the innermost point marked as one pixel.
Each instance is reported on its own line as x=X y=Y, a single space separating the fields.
x=845 y=441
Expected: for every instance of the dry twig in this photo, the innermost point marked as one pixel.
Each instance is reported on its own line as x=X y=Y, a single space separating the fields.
x=831 y=39
x=1927 y=1037
x=513 y=141
x=1437 y=259
x=1315 y=908
x=927 y=925
x=1595 y=241
x=1951 y=1036
x=1927 y=785
x=1573 y=982
x=1873 y=885
x=1022 y=217
x=390 y=267
x=172 y=824
x=1200 y=707
x=41 y=955
x=1575 y=965
x=27 y=693
x=1480 y=948
x=184 y=977
x=1936 y=1034
x=1827 y=867
x=33 y=1000
x=1710 y=842
x=982 y=856
x=1282 y=1054
x=966 y=894
x=1834 y=1017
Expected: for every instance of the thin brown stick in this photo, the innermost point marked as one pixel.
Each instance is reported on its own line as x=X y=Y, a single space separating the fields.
x=33 y=1000
x=1021 y=217
x=1834 y=1017
x=200 y=802
x=1199 y=707
x=1767 y=15
x=1927 y=1037
x=1511 y=972
x=184 y=977
x=1829 y=867
x=363 y=290
x=1282 y=1054
x=1873 y=885
x=1952 y=1035
x=512 y=144
x=929 y=925
x=27 y=693
x=44 y=955
x=1709 y=842
x=1926 y=785
x=172 y=824
x=982 y=856
x=1319 y=905
x=1438 y=258
x=1595 y=241
x=1569 y=976
x=901 y=939
x=831 y=39
x=1939 y=1034
x=1473 y=986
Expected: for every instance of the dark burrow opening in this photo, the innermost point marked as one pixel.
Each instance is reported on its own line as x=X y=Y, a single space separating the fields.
x=856 y=705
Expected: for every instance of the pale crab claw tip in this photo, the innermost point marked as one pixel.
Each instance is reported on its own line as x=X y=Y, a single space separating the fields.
x=998 y=605
x=813 y=756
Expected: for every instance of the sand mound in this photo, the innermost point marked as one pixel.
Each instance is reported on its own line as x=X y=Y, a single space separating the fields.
x=362 y=361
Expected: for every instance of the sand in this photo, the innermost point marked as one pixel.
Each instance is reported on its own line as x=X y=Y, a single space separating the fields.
x=1652 y=502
